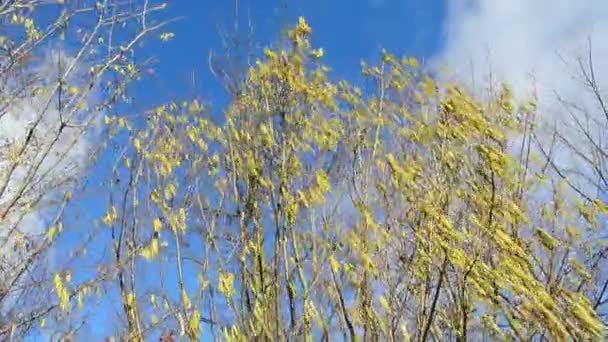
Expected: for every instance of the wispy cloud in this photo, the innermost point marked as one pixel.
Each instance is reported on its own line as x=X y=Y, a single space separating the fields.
x=52 y=157
x=520 y=38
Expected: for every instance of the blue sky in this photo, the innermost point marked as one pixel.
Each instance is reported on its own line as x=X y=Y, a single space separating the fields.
x=347 y=31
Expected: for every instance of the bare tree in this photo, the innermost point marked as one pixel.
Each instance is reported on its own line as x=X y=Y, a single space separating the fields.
x=64 y=65
x=575 y=147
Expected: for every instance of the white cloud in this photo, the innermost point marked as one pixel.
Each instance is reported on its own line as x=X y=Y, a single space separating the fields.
x=522 y=37
x=68 y=152
x=530 y=44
